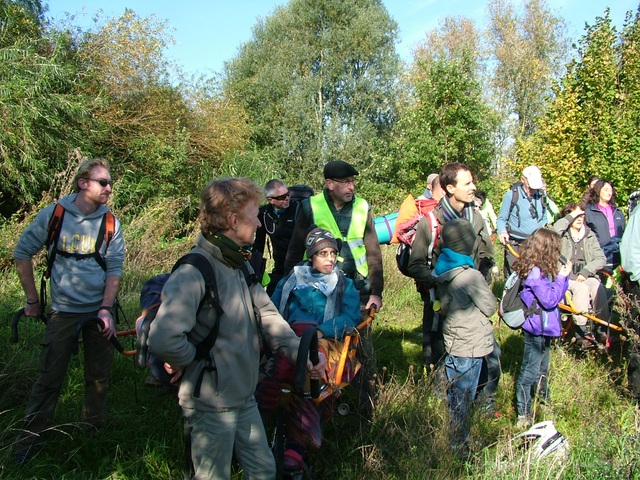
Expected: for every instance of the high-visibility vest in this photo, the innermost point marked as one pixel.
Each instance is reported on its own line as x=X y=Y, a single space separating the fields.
x=323 y=218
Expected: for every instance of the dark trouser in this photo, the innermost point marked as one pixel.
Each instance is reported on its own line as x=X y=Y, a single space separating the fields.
x=490 y=377
x=633 y=365
x=365 y=381
x=509 y=257
x=432 y=339
x=532 y=380
x=57 y=348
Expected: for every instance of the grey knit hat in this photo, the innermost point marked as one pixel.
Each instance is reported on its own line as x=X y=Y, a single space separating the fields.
x=459 y=236
x=319 y=239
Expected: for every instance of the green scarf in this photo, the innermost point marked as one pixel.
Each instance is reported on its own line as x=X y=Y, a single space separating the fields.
x=233 y=254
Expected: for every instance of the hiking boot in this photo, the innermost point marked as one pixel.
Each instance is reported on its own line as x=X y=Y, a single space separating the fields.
x=524 y=421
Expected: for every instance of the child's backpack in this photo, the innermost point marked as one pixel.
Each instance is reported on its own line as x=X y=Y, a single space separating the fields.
x=406 y=229
x=150 y=303
x=512 y=309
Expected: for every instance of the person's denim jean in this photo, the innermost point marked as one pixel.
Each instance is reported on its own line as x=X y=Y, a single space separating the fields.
x=533 y=372
x=489 y=379
x=463 y=374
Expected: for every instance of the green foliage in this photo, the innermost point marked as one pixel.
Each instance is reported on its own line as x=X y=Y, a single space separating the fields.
x=591 y=128
x=529 y=49
x=317 y=81
x=446 y=118
x=44 y=117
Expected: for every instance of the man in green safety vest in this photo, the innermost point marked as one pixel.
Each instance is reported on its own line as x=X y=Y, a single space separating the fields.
x=349 y=219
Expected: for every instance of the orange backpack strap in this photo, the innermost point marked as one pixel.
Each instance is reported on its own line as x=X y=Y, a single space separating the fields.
x=110 y=227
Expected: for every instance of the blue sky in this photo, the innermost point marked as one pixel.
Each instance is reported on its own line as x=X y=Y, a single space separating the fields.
x=209 y=32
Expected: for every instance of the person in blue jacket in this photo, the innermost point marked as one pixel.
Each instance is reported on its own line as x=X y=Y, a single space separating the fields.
x=544 y=287
x=316 y=293
x=606 y=220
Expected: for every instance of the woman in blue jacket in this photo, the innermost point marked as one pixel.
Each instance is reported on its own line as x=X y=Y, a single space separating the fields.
x=606 y=220
x=317 y=294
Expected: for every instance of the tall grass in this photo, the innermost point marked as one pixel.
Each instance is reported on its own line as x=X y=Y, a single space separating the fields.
x=406 y=438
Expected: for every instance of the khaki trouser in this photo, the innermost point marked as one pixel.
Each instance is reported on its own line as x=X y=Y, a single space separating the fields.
x=215 y=435
x=55 y=355
x=589 y=293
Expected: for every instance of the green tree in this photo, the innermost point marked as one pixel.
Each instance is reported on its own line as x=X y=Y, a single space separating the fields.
x=161 y=129
x=20 y=20
x=529 y=50
x=317 y=81
x=43 y=113
x=445 y=119
x=629 y=111
x=592 y=126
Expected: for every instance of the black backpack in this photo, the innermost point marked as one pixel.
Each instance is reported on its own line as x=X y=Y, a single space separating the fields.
x=150 y=303
x=512 y=309
x=515 y=195
x=300 y=192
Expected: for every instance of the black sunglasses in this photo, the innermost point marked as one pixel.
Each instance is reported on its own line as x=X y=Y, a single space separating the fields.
x=284 y=196
x=101 y=181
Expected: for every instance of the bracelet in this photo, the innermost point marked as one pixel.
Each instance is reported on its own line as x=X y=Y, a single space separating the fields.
x=107 y=308
x=32 y=303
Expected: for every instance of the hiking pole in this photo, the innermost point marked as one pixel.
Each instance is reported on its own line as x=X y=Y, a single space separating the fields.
x=14 y=324
x=567 y=308
x=85 y=321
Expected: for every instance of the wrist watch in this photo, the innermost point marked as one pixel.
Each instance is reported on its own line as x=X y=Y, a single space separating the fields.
x=107 y=308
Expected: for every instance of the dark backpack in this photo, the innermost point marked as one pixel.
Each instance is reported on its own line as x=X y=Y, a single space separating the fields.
x=515 y=195
x=150 y=300
x=512 y=308
x=300 y=192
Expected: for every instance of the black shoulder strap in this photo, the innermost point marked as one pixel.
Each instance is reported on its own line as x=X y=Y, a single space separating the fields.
x=199 y=261
x=211 y=295
x=514 y=201
x=105 y=234
x=206 y=270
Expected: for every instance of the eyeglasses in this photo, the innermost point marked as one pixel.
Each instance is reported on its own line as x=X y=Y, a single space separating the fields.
x=284 y=196
x=102 y=181
x=344 y=181
x=326 y=253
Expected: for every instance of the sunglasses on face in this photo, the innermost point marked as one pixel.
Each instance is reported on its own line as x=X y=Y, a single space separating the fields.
x=103 y=182
x=284 y=196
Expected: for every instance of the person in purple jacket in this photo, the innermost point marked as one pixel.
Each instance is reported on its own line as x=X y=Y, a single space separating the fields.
x=545 y=286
